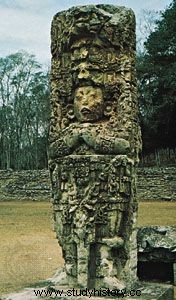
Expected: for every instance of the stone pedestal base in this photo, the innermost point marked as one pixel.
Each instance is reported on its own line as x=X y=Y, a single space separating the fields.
x=154 y=291
x=174 y=271
x=149 y=291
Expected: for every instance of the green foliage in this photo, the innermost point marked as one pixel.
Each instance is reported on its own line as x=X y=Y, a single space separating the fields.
x=24 y=112
x=157 y=84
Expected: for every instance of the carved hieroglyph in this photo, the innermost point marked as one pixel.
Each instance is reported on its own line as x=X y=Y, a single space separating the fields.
x=94 y=144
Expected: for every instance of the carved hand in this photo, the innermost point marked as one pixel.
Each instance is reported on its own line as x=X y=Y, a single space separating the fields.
x=105 y=144
x=68 y=140
x=121 y=146
x=71 y=138
x=89 y=135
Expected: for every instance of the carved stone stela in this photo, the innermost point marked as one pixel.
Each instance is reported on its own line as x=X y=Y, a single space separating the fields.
x=94 y=144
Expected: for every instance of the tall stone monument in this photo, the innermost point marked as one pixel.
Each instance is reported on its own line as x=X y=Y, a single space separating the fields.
x=94 y=144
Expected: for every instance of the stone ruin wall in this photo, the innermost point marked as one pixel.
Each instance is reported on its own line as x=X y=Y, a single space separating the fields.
x=153 y=184
x=156 y=184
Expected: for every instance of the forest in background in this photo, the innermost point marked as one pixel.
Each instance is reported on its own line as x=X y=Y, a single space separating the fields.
x=25 y=109
x=24 y=112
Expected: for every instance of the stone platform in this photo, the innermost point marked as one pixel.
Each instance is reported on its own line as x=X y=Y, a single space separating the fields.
x=149 y=291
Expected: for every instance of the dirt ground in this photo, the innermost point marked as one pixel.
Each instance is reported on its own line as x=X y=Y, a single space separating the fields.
x=29 y=251
x=157 y=213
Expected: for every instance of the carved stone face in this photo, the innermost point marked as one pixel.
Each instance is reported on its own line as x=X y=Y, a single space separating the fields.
x=88 y=103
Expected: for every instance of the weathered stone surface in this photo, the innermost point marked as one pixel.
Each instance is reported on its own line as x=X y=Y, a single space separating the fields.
x=93 y=60
x=155 y=291
x=157 y=253
x=157 y=243
x=94 y=144
x=174 y=271
x=24 y=185
x=149 y=291
x=157 y=183
x=153 y=184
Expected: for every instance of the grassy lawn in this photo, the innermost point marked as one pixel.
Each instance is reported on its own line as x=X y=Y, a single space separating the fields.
x=29 y=251
x=157 y=213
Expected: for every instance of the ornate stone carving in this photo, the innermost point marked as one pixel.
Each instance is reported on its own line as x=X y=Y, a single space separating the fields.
x=94 y=144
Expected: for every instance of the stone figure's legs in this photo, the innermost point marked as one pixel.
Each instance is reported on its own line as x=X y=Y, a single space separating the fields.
x=70 y=256
x=82 y=267
x=92 y=266
x=108 y=270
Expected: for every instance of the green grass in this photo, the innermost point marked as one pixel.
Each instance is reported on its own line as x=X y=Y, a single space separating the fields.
x=29 y=251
